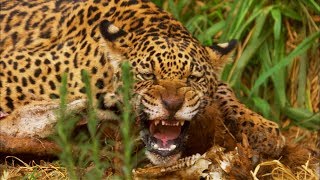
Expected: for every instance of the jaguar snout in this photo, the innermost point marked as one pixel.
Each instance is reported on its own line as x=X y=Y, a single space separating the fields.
x=172 y=103
x=167 y=110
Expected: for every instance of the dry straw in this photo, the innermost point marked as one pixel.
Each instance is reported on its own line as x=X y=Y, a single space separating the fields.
x=282 y=172
x=44 y=170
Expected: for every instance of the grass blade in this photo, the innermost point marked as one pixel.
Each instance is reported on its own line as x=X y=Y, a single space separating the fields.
x=127 y=120
x=301 y=48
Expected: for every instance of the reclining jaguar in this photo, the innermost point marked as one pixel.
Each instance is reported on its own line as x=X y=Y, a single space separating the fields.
x=176 y=78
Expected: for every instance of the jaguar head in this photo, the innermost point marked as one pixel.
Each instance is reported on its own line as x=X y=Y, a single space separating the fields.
x=175 y=79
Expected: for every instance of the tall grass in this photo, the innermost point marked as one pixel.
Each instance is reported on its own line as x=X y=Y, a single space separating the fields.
x=65 y=125
x=81 y=153
x=126 y=126
x=276 y=66
x=76 y=160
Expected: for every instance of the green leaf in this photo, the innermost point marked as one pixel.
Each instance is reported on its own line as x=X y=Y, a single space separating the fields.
x=206 y=37
x=194 y=23
x=297 y=114
x=240 y=16
x=276 y=15
x=303 y=117
x=301 y=48
x=278 y=78
x=256 y=40
x=312 y=4
x=262 y=106
x=302 y=78
x=289 y=12
x=158 y=2
x=173 y=8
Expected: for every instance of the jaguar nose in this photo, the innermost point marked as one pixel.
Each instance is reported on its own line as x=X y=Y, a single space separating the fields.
x=172 y=104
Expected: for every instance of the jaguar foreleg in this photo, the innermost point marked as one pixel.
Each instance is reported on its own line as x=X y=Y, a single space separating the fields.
x=263 y=135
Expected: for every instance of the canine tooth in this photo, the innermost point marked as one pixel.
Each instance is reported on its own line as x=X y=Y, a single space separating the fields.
x=155 y=146
x=182 y=123
x=172 y=147
x=156 y=122
x=163 y=123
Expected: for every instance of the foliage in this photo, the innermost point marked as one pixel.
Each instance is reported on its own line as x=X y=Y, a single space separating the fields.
x=276 y=67
x=86 y=161
x=127 y=121
x=88 y=144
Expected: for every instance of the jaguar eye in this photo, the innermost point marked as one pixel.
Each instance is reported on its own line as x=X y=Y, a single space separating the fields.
x=148 y=76
x=193 y=78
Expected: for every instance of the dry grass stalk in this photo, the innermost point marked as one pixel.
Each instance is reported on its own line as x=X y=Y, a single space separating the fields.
x=281 y=172
x=314 y=81
x=44 y=170
x=293 y=85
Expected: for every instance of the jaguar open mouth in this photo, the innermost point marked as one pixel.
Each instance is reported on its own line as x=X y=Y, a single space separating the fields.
x=164 y=137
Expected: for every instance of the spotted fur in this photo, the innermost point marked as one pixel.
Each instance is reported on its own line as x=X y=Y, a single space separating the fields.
x=176 y=77
x=263 y=135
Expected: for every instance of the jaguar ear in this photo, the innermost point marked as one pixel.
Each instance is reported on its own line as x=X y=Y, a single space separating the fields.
x=116 y=41
x=111 y=32
x=220 y=53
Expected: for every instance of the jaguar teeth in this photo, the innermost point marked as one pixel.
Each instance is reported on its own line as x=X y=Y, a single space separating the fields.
x=181 y=123
x=172 y=147
x=155 y=146
x=166 y=123
x=156 y=122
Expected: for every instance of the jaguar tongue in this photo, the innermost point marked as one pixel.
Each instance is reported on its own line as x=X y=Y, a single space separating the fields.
x=165 y=132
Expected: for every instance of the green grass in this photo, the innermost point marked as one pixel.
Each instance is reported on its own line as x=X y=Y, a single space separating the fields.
x=261 y=74
x=82 y=155
x=65 y=125
x=127 y=121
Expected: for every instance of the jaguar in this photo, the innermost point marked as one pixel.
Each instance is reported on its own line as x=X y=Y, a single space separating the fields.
x=176 y=78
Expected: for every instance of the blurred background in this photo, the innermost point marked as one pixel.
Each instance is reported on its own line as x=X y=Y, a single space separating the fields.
x=276 y=67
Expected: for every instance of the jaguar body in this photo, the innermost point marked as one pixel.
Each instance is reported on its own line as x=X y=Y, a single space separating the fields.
x=176 y=77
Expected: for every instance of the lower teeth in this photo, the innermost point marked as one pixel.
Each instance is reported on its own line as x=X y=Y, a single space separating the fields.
x=155 y=146
x=172 y=147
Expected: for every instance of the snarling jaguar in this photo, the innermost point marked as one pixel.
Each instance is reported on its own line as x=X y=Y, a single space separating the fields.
x=176 y=77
